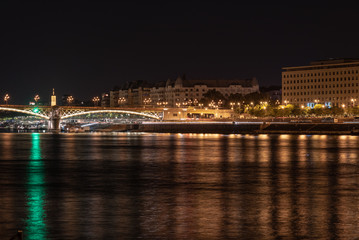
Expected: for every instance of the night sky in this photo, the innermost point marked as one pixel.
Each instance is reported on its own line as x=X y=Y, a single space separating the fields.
x=87 y=48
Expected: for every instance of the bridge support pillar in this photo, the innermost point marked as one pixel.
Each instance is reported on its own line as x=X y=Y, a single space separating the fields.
x=54 y=121
x=54 y=124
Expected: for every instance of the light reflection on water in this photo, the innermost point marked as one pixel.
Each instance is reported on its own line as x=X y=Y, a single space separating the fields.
x=179 y=186
x=35 y=227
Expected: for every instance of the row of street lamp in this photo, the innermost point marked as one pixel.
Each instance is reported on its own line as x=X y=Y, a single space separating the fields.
x=148 y=101
x=353 y=100
x=189 y=102
x=69 y=99
x=195 y=102
x=7 y=98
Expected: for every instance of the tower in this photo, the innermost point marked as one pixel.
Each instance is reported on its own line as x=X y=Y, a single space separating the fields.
x=53 y=98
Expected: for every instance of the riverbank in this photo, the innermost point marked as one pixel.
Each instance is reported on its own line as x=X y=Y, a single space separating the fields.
x=246 y=128
x=343 y=128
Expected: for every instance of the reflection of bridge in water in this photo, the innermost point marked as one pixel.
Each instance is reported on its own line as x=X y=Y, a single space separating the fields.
x=54 y=114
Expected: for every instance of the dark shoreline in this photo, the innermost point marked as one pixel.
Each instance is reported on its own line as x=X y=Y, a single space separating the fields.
x=228 y=128
x=250 y=128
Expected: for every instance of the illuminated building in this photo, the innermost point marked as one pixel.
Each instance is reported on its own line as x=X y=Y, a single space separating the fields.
x=331 y=82
x=132 y=93
x=179 y=92
x=105 y=100
x=183 y=90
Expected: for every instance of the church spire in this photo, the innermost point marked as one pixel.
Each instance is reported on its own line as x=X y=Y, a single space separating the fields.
x=53 y=98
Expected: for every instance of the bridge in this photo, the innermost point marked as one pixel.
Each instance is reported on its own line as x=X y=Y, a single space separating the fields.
x=54 y=114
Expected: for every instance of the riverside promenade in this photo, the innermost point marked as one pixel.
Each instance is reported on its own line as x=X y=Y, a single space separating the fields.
x=249 y=127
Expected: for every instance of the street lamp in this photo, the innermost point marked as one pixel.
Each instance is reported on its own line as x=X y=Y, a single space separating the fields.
x=195 y=102
x=189 y=102
x=36 y=98
x=163 y=103
x=121 y=100
x=353 y=101
x=6 y=98
x=96 y=100
x=69 y=99
x=147 y=101
x=219 y=103
x=212 y=104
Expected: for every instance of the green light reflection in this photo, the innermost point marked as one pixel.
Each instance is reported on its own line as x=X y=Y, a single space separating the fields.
x=35 y=222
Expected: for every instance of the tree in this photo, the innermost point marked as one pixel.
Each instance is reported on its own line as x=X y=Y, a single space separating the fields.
x=318 y=109
x=235 y=101
x=305 y=111
x=284 y=111
x=337 y=111
x=235 y=97
x=256 y=98
x=296 y=111
x=355 y=110
x=257 y=111
x=288 y=110
x=212 y=95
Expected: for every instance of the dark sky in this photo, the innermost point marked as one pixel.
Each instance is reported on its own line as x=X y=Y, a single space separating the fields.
x=86 y=48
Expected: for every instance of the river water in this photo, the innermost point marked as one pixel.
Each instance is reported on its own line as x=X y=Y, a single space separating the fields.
x=178 y=186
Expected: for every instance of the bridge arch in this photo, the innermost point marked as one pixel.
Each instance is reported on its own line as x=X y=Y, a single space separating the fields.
x=111 y=111
x=24 y=111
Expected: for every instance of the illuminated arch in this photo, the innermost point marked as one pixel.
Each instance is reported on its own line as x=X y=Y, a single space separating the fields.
x=111 y=111
x=24 y=111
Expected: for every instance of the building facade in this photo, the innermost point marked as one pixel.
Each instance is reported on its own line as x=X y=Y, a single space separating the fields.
x=331 y=82
x=182 y=92
x=105 y=100
x=274 y=93
x=134 y=94
x=177 y=93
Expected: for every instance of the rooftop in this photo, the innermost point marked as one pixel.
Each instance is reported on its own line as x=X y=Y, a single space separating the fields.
x=220 y=83
x=326 y=64
x=334 y=61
